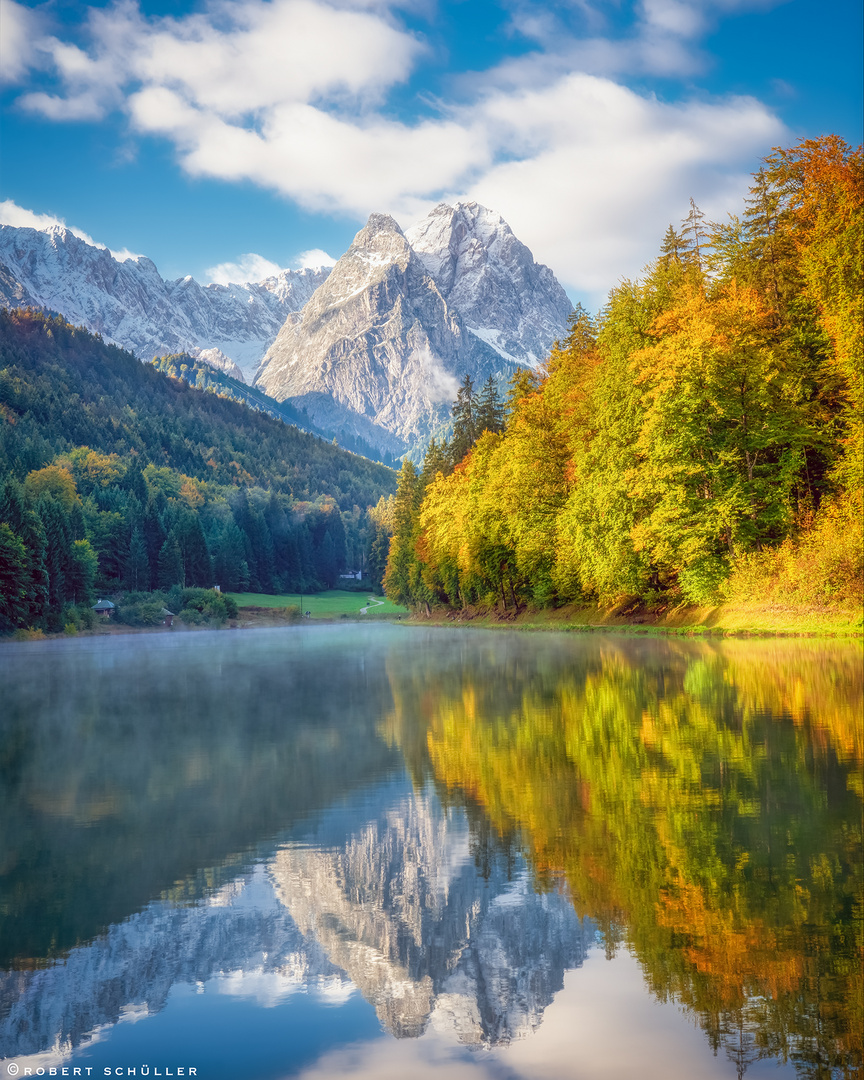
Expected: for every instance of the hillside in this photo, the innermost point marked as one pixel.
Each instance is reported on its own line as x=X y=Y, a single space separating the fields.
x=116 y=475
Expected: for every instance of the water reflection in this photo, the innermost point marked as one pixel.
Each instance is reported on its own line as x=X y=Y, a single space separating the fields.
x=701 y=802
x=232 y=814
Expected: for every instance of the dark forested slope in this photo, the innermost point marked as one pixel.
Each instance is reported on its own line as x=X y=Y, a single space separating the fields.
x=62 y=387
x=114 y=475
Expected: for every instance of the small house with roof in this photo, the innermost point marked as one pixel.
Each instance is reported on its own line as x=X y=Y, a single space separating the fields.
x=103 y=608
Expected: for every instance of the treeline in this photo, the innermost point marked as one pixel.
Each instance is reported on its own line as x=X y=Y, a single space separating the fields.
x=700 y=439
x=114 y=476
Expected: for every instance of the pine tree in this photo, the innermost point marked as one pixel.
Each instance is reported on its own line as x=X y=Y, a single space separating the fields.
x=230 y=566
x=170 y=565
x=464 y=422
x=14 y=578
x=522 y=383
x=198 y=569
x=137 y=571
x=436 y=459
x=695 y=234
x=490 y=409
x=401 y=573
x=26 y=524
x=81 y=572
x=673 y=247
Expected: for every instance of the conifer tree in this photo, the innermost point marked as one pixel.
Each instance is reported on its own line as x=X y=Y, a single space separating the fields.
x=137 y=571
x=436 y=459
x=490 y=409
x=170 y=565
x=400 y=577
x=14 y=578
x=673 y=247
x=464 y=422
x=695 y=233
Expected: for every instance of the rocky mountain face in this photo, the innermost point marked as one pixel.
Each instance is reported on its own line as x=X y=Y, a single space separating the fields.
x=130 y=304
x=374 y=349
x=381 y=347
x=490 y=278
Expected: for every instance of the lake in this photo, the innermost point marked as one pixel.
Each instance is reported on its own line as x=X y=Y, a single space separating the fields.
x=385 y=852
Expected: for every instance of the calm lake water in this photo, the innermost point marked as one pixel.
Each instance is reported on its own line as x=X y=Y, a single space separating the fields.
x=386 y=852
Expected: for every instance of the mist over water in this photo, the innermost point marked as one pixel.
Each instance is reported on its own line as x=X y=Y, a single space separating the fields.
x=375 y=851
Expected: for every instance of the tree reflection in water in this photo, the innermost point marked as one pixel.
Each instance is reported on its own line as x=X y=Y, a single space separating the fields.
x=700 y=801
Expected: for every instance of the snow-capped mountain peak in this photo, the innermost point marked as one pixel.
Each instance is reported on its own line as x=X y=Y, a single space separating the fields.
x=128 y=302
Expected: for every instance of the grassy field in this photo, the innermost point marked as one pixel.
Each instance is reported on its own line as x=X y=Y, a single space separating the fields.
x=325 y=605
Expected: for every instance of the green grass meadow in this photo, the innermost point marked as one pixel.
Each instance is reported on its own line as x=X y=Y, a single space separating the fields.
x=324 y=605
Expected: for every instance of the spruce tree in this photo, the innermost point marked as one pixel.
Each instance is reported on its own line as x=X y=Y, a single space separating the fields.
x=464 y=422
x=137 y=570
x=14 y=579
x=696 y=234
x=170 y=564
x=490 y=409
x=673 y=247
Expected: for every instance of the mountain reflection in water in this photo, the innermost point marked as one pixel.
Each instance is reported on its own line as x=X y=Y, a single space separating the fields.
x=442 y=821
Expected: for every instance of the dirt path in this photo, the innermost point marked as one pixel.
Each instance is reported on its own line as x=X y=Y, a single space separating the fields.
x=372 y=601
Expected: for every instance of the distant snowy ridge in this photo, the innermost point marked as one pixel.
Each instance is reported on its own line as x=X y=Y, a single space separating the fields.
x=128 y=302
x=373 y=348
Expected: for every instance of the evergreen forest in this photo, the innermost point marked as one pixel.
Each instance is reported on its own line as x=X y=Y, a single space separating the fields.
x=699 y=440
x=116 y=476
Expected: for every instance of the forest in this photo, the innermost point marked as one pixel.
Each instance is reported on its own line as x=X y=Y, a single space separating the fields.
x=699 y=440
x=115 y=476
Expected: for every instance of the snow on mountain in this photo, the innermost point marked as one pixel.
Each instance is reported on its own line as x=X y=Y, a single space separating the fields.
x=381 y=347
x=490 y=278
x=376 y=350
x=395 y=908
x=130 y=304
x=375 y=347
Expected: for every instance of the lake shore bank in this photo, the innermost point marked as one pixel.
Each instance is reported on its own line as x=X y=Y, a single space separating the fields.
x=725 y=620
x=733 y=619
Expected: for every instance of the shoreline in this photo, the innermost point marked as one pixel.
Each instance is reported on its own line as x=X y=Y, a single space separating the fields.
x=724 y=620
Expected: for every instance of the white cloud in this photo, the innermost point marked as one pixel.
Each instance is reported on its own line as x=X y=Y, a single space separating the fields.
x=600 y=171
x=21 y=218
x=311 y=260
x=19 y=34
x=249 y=267
x=290 y=94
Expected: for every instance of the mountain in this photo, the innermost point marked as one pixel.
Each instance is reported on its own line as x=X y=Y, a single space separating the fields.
x=372 y=351
x=384 y=342
x=490 y=278
x=62 y=388
x=131 y=305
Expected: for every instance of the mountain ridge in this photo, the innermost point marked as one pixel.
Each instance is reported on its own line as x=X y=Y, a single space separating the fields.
x=372 y=350
x=404 y=317
x=129 y=303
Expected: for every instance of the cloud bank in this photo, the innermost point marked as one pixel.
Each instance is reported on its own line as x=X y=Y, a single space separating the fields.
x=296 y=96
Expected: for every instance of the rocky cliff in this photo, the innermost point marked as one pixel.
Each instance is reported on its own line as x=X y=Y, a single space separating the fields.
x=130 y=304
x=381 y=347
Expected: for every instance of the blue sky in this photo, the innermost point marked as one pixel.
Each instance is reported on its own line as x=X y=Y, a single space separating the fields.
x=223 y=138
